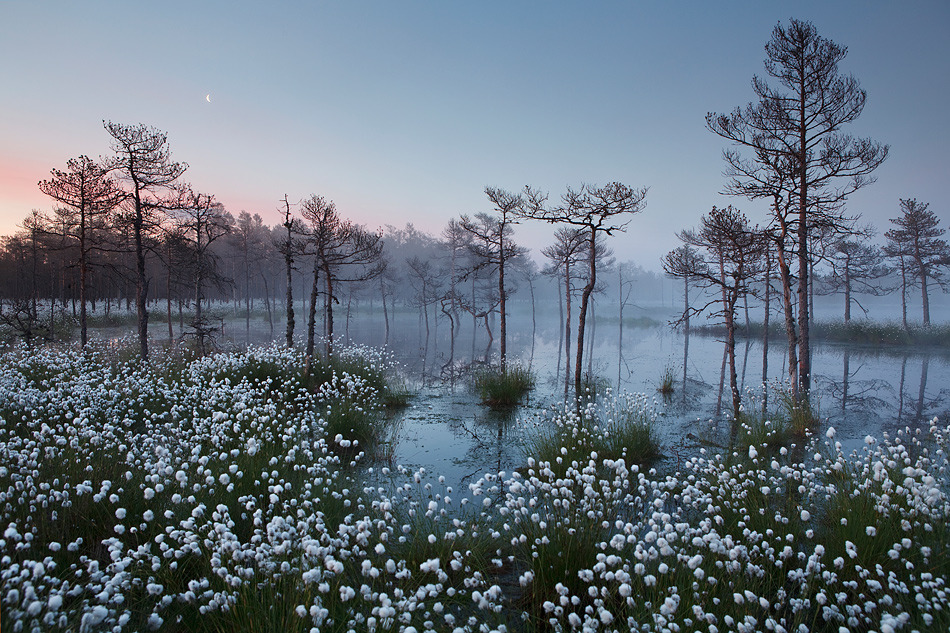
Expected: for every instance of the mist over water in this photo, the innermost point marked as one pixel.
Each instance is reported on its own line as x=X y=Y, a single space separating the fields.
x=859 y=389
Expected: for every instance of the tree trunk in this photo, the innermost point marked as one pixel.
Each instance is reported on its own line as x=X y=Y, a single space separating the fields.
x=453 y=293
x=765 y=331
x=312 y=314
x=745 y=300
x=924 y=366
x=811 y=292
x=303 y=293
x=34 y=278
x=382 y=292
x=451 y=360
x=731 y=348
x=199 y=282
x=685 y=303
x=168 y=301
x=804 y=351
x=722 y=377
x=52 y=306
x=425 y=318
x=846 y=374
x=474 y=318
x=790 y=329
x=349 y=305
x=502 y=327
x=620 y=328
x=900 y=391
x=685 y=363
x=270 y=317
x=289 y=260
x=392 y=308
x=926 y=297
x=567 y=328
x=82 y=298
x=590 y=340
x=435 y=327
x=329 y=313
x=247 y=296
x=83 y=278
x=141 y=285
x=582 y=317
x=904 y=293
x=804 y=343
x=534 y=318
x=560 y=336
x=847 y=293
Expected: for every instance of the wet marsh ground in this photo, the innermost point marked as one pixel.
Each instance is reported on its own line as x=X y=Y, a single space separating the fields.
x=859 y=388
x=210 y=494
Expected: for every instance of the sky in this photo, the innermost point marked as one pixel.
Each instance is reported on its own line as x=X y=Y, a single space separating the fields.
x=405 y=111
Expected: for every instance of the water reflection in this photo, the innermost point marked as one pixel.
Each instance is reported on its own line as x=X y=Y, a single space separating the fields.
x=859 y=389
x=450 y=434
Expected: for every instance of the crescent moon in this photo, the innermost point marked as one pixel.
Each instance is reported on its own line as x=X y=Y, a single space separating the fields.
x=208 y=97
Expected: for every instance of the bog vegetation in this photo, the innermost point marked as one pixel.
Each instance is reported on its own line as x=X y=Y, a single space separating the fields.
x=240 y=491
x=147 y=489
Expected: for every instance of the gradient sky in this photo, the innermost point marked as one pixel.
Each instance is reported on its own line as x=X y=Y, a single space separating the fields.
x=404 y=111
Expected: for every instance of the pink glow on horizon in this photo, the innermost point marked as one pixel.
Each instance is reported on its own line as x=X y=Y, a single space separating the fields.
x=19 y=193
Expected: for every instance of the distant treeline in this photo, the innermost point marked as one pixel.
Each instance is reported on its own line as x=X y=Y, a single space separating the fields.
x=858 y=332
x=127 y=231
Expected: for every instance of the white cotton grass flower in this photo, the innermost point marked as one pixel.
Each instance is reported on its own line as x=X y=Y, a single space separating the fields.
x=694 y=530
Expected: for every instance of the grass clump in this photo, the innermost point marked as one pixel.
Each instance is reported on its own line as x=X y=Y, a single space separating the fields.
x=396 y=395
x=376 y=367
x=790 y=421
x=800 y=414
x=350 y=408
x=666 y=382
x=503 y=389
x=618 y=427
x=772 y=433
x=593 y=387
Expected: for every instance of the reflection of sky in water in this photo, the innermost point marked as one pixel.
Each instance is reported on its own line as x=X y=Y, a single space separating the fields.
x=447 y=432
x=860 y=390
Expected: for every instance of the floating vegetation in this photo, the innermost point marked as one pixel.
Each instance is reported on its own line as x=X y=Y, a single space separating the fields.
x=212 y=496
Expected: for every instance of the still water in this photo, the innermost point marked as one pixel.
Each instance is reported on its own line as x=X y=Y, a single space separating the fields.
x=860 y=390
